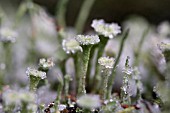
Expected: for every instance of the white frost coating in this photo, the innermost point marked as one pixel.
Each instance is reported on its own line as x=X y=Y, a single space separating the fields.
x=36 y=73
x=87 y=39
x=71 y=46
x=46 y=63
x=106 y=29
x=106 y=62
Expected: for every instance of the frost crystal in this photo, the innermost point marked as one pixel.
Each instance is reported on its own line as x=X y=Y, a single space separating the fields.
x=7 y=35
x=106 y=62
x=71 y=46
x=89 y=101
x=128 y=70
x=88 y=39
x=36 y=73
x=106 y=29
x=46 y=63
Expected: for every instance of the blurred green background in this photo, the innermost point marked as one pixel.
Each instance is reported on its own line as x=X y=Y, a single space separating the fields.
x=154 y=11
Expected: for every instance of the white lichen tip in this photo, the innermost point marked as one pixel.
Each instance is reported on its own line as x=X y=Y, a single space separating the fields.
x=106 y=62
x=36 y=73
x=87 y=39
x=106 y=29
x=71 y=46
x=7 y=35
x=46 y=63
x=89 y=101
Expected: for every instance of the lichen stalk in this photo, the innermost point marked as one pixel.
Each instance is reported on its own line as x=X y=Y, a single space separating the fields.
x=101 y=47
x=105 y=75
x=83 y=70
x=33 y=83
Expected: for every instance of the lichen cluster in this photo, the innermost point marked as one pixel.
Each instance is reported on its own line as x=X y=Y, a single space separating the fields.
x=109 y=69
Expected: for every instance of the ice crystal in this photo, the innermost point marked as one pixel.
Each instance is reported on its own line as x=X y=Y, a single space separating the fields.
x=128 y=70
x=106 y=29
x=36 y=73
x=87 y=39
x=71 y=46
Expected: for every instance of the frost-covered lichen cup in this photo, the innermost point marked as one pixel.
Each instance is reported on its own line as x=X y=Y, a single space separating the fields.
x=86 y=42
x=106 y=29
x=45 y=64
x=34 y=77
x=107 y=64
x=71 y=46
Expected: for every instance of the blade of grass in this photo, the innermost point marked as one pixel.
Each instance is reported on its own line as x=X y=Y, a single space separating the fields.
x=111 y=78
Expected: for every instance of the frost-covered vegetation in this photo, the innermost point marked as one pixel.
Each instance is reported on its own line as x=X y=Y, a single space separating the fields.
x=49 y=67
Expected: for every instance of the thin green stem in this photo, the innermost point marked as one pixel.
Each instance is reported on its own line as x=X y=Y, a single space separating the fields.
x=83 y=70
x=67 y=79
x=59 y=92
x=111 y=78
x=61 y=12
x=83 y=15
x=20 y=13
x=101 y=47
x=138 y=51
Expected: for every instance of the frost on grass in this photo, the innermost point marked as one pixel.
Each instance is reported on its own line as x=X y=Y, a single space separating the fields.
x=71 y=46
x=7 y=35
x=106 y=29
x=89 y=101
x=36 y=73
x=87 y=39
